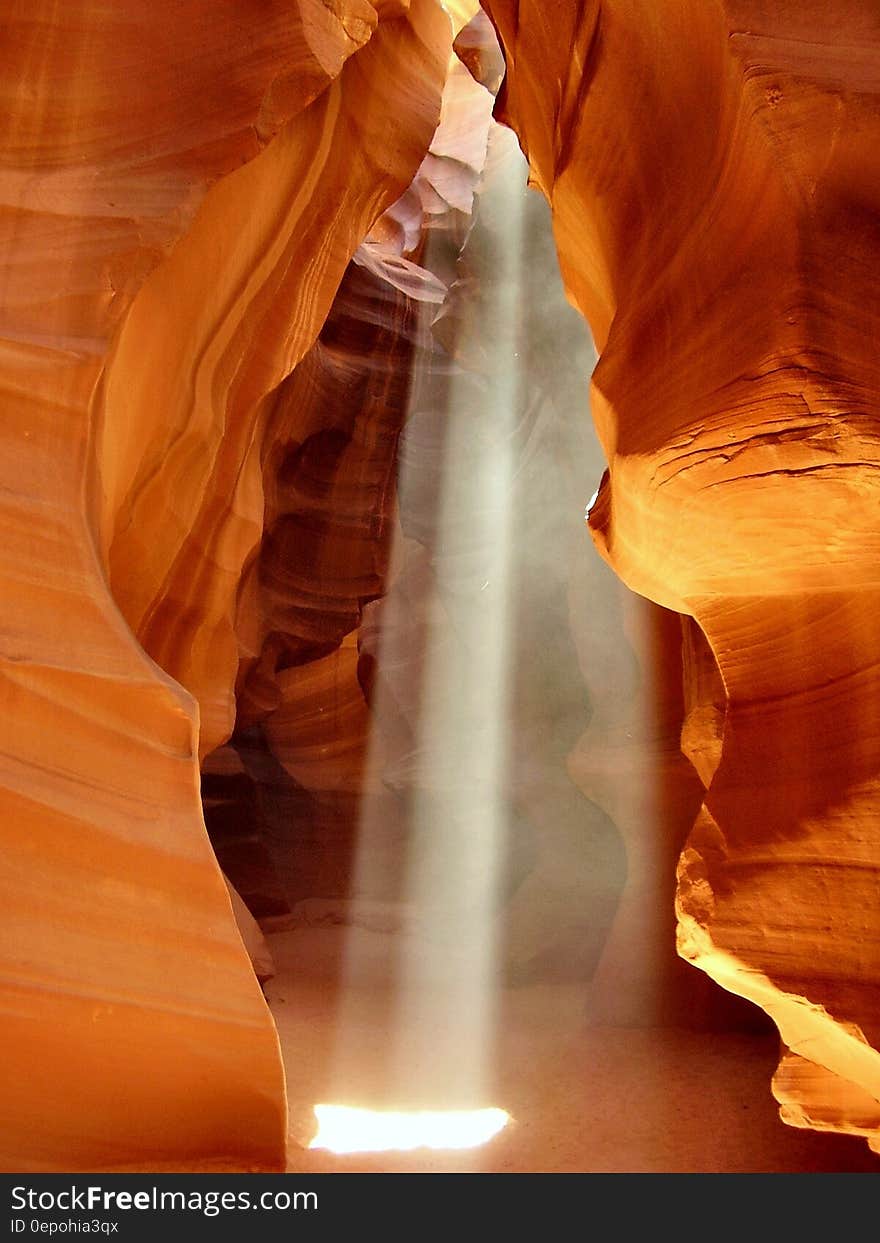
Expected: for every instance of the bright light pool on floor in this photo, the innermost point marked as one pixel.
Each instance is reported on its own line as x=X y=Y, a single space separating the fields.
x=344 y=1129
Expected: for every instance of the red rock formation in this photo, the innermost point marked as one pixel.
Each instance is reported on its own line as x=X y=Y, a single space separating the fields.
x=245 y=292
x=180 y=198
x=711 y=171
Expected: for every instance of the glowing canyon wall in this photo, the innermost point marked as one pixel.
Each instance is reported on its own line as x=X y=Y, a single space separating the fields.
x=181 y=198
x=713 y=175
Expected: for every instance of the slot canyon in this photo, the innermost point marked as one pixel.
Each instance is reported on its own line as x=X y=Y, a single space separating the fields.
x=441 y=536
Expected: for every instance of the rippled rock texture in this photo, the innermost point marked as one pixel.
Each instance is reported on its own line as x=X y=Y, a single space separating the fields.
x=181 y=196
x=715 y=213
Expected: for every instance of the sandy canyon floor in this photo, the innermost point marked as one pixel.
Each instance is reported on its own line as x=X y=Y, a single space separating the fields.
x=582 y=1098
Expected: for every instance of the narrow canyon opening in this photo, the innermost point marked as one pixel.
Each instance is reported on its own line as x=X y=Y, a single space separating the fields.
x=455 y=796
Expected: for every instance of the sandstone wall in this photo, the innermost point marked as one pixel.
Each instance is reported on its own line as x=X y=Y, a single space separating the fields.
x=712 y=171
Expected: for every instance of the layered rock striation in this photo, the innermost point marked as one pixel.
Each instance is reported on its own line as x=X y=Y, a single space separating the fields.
x=714 y=214
x=241 y=290
x=180 y=199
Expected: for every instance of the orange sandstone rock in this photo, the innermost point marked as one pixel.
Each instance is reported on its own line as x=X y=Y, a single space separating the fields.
x=245 y=293
x=712 y=171
x=179 y=198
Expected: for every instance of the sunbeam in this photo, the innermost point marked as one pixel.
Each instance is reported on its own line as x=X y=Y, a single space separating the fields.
x=343 y=1129
x=440 y=974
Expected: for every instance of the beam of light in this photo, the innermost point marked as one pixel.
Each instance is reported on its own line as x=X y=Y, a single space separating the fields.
x=415 y=1023
x=344 y=1129
x=460 y=806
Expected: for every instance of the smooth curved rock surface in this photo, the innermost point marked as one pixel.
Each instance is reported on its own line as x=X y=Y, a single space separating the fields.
x=714 y=218
x=180 y=198
x=245 y=293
